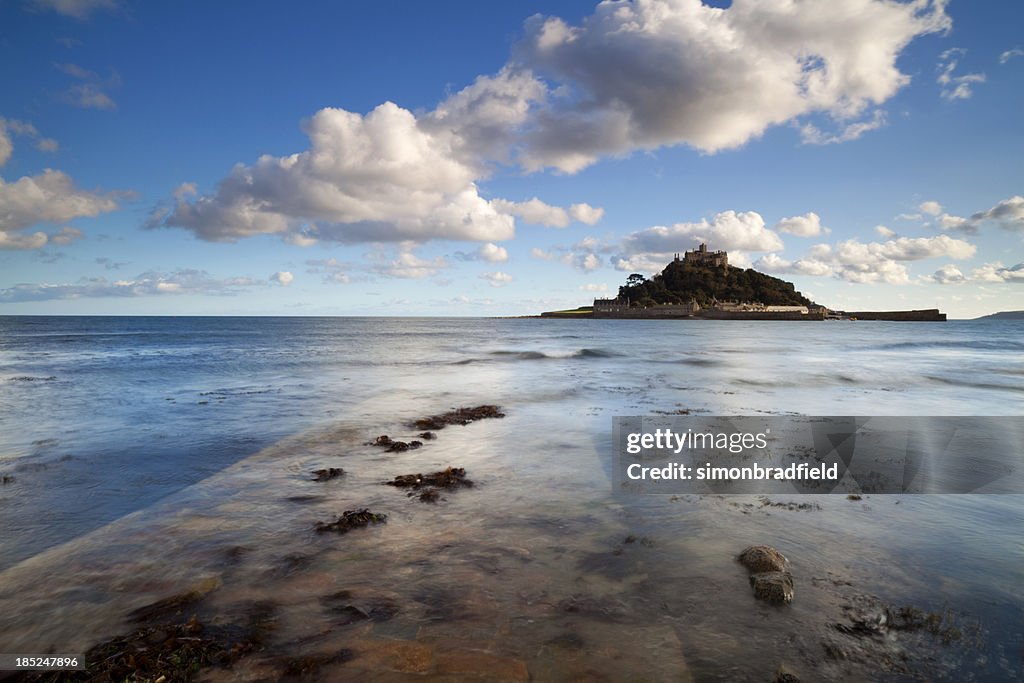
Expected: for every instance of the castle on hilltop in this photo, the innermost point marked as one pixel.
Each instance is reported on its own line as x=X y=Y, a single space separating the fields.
x=704 y=258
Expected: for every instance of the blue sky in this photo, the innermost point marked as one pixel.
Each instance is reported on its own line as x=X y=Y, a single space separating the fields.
x=468 y=158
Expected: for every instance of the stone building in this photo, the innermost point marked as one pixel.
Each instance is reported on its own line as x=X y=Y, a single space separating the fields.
x=702 y=257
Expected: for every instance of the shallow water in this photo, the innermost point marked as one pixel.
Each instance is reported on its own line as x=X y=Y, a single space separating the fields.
x=155 y=455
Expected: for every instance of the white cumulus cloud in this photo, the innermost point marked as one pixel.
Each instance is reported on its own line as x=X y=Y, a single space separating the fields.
x=665 y=72
x=808 y=225
x=282 y=277
x=50 y=197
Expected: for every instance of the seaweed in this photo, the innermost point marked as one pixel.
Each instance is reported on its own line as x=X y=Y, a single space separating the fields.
x=351 y=519
x=459 y=416
x=328 y=474
x=448 y=478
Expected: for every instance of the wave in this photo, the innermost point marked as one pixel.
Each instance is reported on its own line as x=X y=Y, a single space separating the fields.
x=508 y=355
x=973 y=384
x=975 y=344
x=701 y=362
x=29 y=378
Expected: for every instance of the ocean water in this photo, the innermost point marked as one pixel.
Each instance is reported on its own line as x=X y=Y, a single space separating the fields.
x=147 y=456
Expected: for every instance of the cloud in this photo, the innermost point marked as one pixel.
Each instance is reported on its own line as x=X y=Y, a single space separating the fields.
x=932 y=208
x=66 y=236
x=855 y=261
x=91 y=93
x=409 y=266
x=595 y=288
x=282 y=277
x=538 y=253
x=773 y=263
x=948 y=274
x=585 y=261
x=996 y=272
x=585 y=213
x=812 y=135
x=884 y=231
x=50 y=197
x=957 y=224
x=109 y=263
x=78 y=9
x=150 y=283
x=6 y=146
x=668 y=72
x=334 y=270
x=727 y=230
x=492 y=253
x=36 y=240
x=373 y=178
x=808 y=225
x=1010 y=54
x=25 y=129
x=1009 y=214
x=536 y=212
x=955 y=87
x=497 y=279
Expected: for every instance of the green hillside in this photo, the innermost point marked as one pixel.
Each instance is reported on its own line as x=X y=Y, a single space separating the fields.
x=680 y=282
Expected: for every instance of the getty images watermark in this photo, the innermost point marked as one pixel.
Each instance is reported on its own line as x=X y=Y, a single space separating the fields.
x=800 y=454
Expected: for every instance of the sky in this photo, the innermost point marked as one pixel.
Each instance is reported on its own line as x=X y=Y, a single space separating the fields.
x=459 y=158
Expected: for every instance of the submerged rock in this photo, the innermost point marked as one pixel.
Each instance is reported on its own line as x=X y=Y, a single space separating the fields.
x=773 y=587
x=459 y=416
x=351 y=519
x=763 y=558
x=328 y=474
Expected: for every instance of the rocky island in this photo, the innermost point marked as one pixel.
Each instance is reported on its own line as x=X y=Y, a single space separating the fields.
x=702 y=284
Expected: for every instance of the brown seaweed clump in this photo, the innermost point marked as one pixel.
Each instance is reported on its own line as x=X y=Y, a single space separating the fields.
x=166 y=649
x=459 y=416
x=352 y=519
x=449 y=478
x=393 y=446
x=328 y=474
x=425 y=486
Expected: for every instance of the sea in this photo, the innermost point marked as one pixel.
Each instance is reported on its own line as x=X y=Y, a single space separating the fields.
x=146 y=456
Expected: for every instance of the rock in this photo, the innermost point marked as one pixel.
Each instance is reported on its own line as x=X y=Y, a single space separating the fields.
x=351 y=519
x=763 y=558
x=773 y=587
x=327 y=474
x=427 y=436
x=853 y=496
